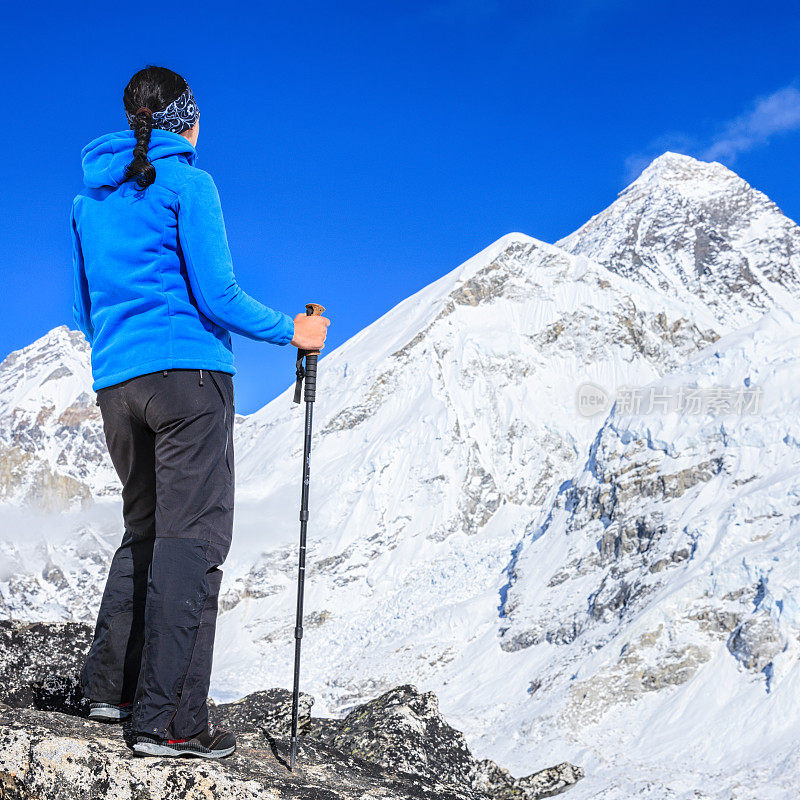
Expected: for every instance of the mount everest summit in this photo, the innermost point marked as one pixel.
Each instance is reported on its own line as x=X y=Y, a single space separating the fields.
x=618 y=589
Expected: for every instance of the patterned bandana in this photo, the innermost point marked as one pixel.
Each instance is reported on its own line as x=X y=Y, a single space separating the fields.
x=178 y=116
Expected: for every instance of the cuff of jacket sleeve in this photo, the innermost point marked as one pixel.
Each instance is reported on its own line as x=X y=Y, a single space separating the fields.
x=287 y=333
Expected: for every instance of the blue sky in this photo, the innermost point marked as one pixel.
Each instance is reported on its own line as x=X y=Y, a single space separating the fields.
x=364 y=149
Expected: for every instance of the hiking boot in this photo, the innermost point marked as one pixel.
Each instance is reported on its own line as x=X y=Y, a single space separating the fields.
x=107 y=712
x=213 y=742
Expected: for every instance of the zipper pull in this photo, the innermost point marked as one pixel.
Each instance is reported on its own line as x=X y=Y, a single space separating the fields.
x=201 y=377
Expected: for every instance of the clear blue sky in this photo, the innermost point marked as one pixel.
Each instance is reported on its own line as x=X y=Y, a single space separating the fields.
x=364 y=149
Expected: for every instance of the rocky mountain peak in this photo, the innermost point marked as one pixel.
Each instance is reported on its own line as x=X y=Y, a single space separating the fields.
x=52 y=370
x=697 y=231
x=693 y=177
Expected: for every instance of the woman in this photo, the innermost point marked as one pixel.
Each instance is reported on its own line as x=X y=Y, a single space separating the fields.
x=156 y=297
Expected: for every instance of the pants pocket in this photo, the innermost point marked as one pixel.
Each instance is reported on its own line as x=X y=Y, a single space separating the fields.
x=227 y=403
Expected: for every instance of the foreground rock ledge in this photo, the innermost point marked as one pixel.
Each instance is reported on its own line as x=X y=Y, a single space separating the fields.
x=395 y=746
x=52 y=755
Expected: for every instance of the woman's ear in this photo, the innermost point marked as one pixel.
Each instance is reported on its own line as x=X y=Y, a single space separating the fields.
x=192 y=133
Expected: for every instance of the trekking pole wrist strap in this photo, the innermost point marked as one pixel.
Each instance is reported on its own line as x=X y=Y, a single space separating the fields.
x=300 y=373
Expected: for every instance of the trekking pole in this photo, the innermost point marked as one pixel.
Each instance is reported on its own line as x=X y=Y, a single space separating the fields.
x=310 y=375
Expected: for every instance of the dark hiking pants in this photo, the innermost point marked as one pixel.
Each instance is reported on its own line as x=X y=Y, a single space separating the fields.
x=170 y=436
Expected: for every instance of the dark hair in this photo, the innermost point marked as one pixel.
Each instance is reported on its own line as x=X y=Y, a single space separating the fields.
x=151 y=89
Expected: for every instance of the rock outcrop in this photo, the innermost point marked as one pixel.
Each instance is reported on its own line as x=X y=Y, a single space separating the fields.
x=396 y=746
x=404 y=731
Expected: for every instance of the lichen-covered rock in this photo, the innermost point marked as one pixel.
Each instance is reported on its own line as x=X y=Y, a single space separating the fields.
x=396 y=746
x=545 y=783
x=51 y=756
x=40 y=663
x=390 y=729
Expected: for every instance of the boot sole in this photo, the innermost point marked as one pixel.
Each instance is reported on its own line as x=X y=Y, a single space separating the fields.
x=153 y=749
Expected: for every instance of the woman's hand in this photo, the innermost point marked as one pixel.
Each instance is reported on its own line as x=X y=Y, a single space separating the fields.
x=310 y=332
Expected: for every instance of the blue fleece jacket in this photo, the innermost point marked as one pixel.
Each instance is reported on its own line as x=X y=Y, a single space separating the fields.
x=154 y=283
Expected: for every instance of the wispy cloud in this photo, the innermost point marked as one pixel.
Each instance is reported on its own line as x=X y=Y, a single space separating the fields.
x=778 y=113
x=768 y=116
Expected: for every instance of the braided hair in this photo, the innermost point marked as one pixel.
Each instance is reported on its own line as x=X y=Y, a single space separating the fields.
x=150 y=90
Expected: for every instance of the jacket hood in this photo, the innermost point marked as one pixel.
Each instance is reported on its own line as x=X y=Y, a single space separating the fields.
x=104 y=159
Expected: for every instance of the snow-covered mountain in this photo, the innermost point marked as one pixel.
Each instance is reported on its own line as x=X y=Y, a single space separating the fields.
x=458 y=402
x=697 y=231
x=52 y=448
x=575 y=586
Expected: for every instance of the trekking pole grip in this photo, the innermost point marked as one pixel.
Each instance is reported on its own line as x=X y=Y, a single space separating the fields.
x=312 y=310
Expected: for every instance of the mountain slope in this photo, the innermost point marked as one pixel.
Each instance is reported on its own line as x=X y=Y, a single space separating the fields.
x=434 y=444
x=662 y=581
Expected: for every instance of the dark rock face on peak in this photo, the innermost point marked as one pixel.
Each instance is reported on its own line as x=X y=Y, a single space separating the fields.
x=396 y=746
